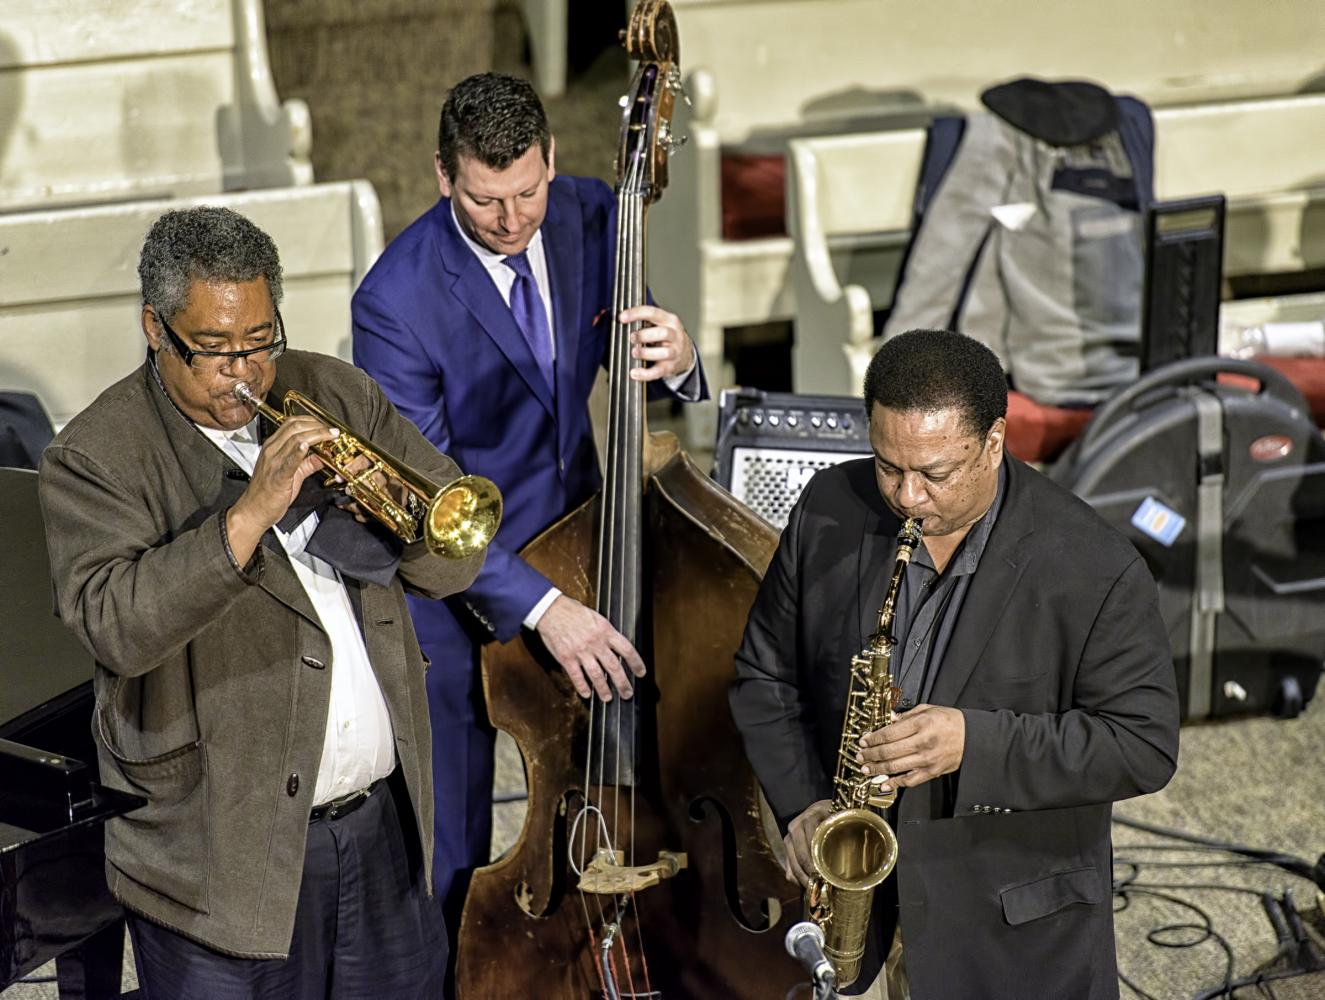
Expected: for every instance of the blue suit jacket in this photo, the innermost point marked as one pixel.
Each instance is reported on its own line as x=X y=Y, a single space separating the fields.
x=432 y=328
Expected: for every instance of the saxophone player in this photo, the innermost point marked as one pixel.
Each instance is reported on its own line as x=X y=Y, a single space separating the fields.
x=1037 y=688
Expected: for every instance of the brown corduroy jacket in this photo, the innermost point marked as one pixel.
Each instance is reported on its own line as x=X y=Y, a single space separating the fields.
x=212 y=684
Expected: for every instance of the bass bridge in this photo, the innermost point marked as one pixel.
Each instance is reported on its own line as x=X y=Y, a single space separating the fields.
x=604 y=878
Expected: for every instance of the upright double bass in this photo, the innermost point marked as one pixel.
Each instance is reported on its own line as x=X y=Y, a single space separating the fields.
x=645 y=866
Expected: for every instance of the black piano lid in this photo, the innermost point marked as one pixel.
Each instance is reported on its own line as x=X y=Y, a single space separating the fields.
x=46 y=794
x=54 y=902
x=40 y=660
x=47 y=777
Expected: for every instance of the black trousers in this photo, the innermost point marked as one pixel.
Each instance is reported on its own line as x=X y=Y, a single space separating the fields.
x=364 y=927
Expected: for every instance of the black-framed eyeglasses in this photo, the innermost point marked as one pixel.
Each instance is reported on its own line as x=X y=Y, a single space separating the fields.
x=214 y=361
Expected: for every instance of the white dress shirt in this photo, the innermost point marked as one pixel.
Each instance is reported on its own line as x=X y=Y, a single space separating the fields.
x=504 y=278
x=358 y=746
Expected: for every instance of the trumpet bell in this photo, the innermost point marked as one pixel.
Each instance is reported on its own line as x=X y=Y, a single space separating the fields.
x=463 y=517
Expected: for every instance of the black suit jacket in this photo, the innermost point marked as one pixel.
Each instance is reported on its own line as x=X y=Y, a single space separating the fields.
x=1061 y=665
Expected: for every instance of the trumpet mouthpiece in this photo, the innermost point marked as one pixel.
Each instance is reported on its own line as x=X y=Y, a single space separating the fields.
x=243 y=393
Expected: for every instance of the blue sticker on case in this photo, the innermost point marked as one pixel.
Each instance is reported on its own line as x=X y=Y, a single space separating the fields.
x=1163 y=524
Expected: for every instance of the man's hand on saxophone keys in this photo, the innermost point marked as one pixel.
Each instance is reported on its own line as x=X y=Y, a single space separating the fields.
x=923 y=744
x=799 y=865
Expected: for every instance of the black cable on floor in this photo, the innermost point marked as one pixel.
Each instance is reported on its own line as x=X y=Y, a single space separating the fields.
x=1298 y=866
x=1155 y=934
x=1128 y=885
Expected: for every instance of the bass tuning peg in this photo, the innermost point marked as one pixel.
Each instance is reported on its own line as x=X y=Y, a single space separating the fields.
x=670 y=142
x=674 y=84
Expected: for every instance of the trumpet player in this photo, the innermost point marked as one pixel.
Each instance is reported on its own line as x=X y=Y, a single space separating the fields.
x=1036 y=688
x=258 y=681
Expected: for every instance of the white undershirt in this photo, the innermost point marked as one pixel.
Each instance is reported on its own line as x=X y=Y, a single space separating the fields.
x=358 y=746
x=504 y=278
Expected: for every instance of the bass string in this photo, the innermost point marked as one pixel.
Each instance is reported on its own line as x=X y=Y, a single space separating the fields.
x=617 y=576
x=633 y=485
x=592 y=805
x=618 y=568
x=633 y=554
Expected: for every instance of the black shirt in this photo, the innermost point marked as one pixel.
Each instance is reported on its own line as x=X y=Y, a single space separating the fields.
x=929 y=603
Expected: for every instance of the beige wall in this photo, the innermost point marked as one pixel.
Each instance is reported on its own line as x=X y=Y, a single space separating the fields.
x=374 y=73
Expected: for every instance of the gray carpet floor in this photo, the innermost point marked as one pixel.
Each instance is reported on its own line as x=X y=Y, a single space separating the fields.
x=1255 y=781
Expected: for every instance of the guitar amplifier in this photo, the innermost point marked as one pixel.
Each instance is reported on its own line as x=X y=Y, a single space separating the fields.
x=771 y=443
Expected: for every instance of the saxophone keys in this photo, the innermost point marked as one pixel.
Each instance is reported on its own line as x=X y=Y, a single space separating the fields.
x=880 y=799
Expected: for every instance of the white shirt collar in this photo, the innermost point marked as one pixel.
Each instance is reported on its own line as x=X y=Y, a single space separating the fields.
x=248 y=434
x=486 y=257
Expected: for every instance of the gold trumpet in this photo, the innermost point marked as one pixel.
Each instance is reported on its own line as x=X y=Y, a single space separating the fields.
x=456 y=520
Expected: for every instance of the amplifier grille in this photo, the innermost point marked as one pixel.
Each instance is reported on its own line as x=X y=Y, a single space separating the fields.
x=768 y=480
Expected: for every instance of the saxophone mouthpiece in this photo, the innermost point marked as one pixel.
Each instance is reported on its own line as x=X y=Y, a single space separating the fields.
x=908 y=538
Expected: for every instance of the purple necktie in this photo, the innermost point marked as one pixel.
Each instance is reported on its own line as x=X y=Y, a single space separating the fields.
x=530 y=315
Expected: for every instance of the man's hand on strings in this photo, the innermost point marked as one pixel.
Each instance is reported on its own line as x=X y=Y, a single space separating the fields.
x=799 y=865
x=589 y=649
x=662 y=341
x=924 y=743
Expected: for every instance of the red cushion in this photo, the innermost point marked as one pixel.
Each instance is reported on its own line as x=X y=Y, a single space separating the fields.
x=753 y=195
x=1039 y=433
x=1308 y=375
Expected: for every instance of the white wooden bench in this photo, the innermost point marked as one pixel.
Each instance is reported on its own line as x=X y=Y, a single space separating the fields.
x=761 y=72
x=547 y=24
x=112 y=112
x=850 y=195
x=69 y=309
x=119 y=99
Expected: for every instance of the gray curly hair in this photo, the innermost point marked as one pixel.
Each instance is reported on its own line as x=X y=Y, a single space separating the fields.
x=203 y=244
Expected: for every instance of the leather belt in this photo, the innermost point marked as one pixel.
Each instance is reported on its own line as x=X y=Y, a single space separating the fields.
x=344 y=805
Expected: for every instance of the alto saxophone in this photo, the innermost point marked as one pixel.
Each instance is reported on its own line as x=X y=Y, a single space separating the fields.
x=854 y=849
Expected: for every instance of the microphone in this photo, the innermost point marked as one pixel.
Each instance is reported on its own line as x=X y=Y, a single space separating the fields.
x=805 y=943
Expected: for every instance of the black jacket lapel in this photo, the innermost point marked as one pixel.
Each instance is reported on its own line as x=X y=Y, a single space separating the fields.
x=875 y=569
x=1001 y=566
